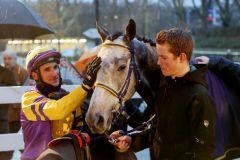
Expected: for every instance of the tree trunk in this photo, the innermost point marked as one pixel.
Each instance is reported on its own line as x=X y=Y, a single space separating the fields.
x=225 y=13
x=145 y=12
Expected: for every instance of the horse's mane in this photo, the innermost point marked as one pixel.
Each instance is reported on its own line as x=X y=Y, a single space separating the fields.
x=143 y=39
x=151 y=57
x=146 y=40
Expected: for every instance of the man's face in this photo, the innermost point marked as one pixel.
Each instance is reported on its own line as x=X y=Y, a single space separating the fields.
x=9 y=61
x=49 y=73
x=169 y=64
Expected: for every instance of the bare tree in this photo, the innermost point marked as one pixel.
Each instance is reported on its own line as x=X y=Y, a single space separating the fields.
x=177 y=7
x=114 y=16
x=202 y=11
x=96 y=3
x=237 y=2
x=225 y=13
x=180 y=10
x=145 y=13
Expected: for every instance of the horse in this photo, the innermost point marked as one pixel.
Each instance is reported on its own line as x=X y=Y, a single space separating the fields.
x=130 y=65
x=121 y=70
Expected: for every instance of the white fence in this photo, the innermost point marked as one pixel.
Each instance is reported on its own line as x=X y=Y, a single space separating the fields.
x=14 y=141
x=209 y=52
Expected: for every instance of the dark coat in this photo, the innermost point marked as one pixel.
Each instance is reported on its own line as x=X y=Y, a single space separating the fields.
x=224 y=86
x=228 y=71
x=6 y=79
x=184 y=126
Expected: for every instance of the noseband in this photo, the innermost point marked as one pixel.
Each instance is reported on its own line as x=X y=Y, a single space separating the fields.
x=132 y=69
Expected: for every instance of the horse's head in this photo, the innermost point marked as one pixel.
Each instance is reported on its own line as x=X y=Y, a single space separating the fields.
x=116 y=79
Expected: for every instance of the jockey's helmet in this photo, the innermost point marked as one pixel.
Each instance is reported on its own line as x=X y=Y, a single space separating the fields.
x=39 y=56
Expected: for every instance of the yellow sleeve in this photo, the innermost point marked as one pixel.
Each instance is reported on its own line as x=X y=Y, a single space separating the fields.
x=78 y=115
x=36 y=107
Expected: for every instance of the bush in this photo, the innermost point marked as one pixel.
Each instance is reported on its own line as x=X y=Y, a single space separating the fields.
x=217 y=42
x=218 y=38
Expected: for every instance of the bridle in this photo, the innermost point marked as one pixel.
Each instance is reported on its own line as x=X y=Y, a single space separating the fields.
x=121 y=93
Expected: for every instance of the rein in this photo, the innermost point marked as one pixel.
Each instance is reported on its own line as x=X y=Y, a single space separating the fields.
x=132 y=69
x=137 y=130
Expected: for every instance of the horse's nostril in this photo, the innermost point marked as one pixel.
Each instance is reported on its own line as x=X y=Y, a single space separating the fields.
x=100 y=120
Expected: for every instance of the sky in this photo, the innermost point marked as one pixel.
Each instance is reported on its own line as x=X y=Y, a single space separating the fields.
x=186 y=2
x=189 y=2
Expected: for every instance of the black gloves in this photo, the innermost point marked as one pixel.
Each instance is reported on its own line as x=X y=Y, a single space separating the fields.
x=91 y=73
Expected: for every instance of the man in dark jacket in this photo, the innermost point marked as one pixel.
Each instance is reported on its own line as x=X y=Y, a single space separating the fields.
x=6 y=79
x=184 y=127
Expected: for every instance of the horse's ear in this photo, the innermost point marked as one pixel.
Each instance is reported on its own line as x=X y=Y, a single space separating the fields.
x=130 y=32
x=102 y=31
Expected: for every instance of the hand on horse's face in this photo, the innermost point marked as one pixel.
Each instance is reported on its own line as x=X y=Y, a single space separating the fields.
x=91 y=73
x=123 y=142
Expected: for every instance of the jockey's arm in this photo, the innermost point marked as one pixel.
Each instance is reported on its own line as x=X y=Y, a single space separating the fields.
x=36 y=105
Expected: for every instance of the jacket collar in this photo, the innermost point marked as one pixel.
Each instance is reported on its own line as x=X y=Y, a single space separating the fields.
x=195 y=75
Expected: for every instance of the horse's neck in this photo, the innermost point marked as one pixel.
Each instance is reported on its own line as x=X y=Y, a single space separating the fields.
x=152 y=71
x=146 y=58
x=145 y=54
x=151 y=57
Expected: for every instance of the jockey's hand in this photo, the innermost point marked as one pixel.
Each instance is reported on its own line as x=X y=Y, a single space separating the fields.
x=91 y=73
x=123 y=142
x=202 y=60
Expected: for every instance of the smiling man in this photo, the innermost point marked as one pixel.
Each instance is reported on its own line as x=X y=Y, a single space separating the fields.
x=47 y=110
x=186 y=113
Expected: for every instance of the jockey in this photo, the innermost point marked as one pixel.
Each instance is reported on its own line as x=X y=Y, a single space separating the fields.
x=48 y=111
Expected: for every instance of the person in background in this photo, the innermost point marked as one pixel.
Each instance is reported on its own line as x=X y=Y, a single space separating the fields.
x=10 y=62
x=224 y=68
x=48 y=111
x=225 y=91
x=184 y=125
x=20 y=74
x=6 y=79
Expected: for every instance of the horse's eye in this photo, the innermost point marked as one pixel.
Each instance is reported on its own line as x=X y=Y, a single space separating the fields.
x=122 y=67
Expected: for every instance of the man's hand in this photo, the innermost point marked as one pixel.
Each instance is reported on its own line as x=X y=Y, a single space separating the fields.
x=91 y=73
x=123 y=142
x=202 y=60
